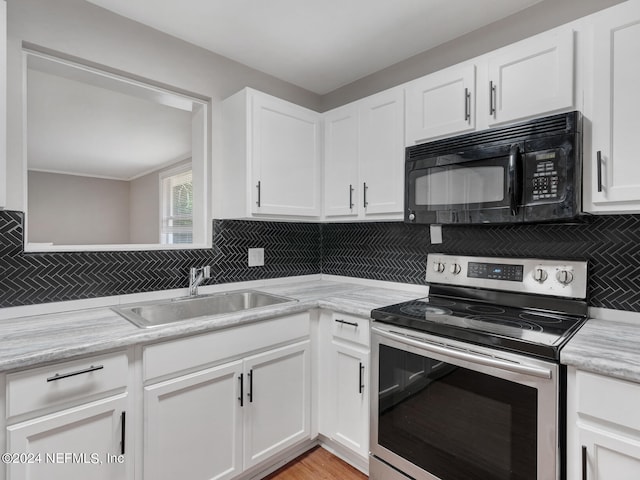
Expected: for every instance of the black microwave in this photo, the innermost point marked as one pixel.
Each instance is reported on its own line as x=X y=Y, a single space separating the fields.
x=528 y=172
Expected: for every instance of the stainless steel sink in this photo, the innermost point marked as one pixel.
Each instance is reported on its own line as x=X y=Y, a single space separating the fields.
x=153 y=314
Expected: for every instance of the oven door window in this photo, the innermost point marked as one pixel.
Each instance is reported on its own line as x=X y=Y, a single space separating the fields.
x=453 y=422
x=466 y=186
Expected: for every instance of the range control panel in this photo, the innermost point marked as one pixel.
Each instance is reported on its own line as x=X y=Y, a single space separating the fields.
x=526 y=275
x=495 y=271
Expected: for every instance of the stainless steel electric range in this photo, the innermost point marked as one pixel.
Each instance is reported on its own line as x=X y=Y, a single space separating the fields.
x=466 y=383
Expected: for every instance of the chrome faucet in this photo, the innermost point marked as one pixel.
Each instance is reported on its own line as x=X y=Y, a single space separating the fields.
x=196 y=276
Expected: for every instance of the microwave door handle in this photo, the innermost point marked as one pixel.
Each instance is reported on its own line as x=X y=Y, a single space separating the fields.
x=514 y=178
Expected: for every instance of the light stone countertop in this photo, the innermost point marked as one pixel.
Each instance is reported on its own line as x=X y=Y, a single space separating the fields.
x=33 y=340
x=606 y=346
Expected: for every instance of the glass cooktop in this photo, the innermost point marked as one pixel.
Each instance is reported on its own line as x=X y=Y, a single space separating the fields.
x=510 y=328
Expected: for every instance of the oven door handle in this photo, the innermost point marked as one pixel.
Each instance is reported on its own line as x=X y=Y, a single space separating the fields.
x=467 y=356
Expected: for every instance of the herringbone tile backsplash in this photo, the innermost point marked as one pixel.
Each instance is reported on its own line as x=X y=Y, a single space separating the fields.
x=385 y=251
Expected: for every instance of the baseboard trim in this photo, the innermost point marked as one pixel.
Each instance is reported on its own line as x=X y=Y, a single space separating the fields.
x=345 y=454
x=280 y=460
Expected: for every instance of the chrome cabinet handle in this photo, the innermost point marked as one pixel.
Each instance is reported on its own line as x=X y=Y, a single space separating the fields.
x=258 y=187
x=467 y=105
x=584 y=463
x=353 y=324
x=492 y=98
x=599 y=160
x=365 y=203
x=350 y=197
x=60 y=376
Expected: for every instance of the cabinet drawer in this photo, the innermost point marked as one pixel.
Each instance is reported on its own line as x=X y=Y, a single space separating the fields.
x=608 y=399
x=351 y=328
x=62 y=383
x=188 y=353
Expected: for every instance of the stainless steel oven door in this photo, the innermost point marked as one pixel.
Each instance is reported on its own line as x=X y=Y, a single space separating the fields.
x=444 y=410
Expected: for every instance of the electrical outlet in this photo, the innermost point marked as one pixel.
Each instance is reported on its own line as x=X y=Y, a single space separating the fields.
x=435 y=233
x=256 y=257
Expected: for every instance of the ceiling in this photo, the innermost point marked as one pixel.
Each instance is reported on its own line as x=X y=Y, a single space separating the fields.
x=82 y=123
x=318 y=45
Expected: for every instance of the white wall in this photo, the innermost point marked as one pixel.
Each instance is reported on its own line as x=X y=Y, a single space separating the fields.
x=531 y=21
x=80 y=29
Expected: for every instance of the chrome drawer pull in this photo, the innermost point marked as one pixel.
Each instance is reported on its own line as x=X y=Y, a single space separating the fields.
x=59 y=376
x=353 y=324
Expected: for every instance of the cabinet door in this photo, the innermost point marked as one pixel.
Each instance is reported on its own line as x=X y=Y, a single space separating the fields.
x=278 y=391
x=285 y=158
x=193 y=426
x=609 y=456
x=531 y=77
x=81 y=443
x=341 y=161
x=616 y=103
x=350 y=374
x=3 y=104
x=382 y=152
x=440 y=104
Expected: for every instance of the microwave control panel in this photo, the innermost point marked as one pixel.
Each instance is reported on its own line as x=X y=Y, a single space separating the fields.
x=544 y=176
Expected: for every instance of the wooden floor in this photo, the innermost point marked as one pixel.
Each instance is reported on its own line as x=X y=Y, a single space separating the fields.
x=317 y=464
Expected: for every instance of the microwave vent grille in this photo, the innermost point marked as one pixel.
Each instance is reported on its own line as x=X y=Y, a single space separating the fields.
x=552 y=125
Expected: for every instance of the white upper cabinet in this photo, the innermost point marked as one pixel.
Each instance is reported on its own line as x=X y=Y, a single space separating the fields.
x=341 y=161
x=531 y=77
x=440 y=104
x=271 y=157
x=381 y=162
x=3 y=104
x=364 y=158
x=614 y=167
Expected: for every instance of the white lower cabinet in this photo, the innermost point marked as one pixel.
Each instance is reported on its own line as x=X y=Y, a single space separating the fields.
x=351 y=397
x=70 y=421
x=343 y=383
x=278 y=412
x=603 y=431
x=85 y=442
x=216 y=422
x=193 y=426
x=609 y=456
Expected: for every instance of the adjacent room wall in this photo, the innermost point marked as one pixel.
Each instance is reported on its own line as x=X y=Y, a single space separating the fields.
x=96 y=209
x=144 y=213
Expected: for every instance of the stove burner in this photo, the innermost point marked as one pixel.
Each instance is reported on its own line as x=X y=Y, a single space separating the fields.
x=477 y=320
x=441 y=302
x=422 y=309
x=536 y=318
x=490 y=309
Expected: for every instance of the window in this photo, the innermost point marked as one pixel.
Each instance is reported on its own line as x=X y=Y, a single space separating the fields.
x=176 y=193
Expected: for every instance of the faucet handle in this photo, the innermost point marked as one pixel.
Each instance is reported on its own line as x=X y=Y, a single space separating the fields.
x=206 y=271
